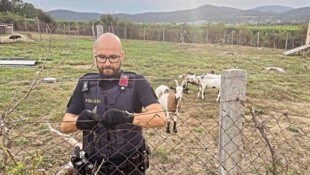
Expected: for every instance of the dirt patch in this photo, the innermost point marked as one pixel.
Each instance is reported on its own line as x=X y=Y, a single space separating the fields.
x=16 y=37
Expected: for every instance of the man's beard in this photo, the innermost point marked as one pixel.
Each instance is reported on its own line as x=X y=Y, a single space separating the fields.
x=108 y=71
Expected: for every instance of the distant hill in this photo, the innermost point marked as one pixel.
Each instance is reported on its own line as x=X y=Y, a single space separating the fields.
x=73 y=16
x=273 y=9
x=300 y=13
x=209 y=13
x=206 y=12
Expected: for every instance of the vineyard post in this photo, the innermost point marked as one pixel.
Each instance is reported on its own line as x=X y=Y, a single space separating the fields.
x=257 y=43
x=144 y=33
x=286 y=41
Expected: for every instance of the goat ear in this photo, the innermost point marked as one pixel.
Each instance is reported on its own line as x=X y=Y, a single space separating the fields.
x=176 y=83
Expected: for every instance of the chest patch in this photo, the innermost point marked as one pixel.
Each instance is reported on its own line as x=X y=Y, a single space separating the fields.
x=123 y=81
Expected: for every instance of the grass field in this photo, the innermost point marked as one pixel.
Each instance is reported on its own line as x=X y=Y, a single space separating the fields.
x=70 y=57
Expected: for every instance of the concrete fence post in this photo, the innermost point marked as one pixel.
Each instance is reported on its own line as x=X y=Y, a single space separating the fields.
x=233 y=91
x=99 y=30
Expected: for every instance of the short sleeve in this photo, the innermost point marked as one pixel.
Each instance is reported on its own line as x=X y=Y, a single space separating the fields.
x=144 y=91
x=76 y=102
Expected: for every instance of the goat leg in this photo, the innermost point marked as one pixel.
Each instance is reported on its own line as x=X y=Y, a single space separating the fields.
x=168 y=127
x=175 y=127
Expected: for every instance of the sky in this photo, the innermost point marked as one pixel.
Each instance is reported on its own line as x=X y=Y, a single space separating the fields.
x=141 y=6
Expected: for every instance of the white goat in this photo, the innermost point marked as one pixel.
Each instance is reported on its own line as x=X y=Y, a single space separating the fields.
x=189 y=78
x=170 y=102
x=71 y=141
x=210 y=81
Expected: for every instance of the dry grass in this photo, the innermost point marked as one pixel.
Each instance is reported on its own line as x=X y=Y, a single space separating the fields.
x=283 y=99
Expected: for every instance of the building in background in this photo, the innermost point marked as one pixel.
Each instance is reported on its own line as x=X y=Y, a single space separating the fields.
x=6 y=28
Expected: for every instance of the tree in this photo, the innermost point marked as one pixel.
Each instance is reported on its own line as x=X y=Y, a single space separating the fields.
x=44 y=17
x=16 y=6
x=5 y=6
x=27 y=10
x=10 y=6
x=108 y=19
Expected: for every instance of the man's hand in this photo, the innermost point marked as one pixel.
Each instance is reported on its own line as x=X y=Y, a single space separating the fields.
x=113 y=117
x=86 y=120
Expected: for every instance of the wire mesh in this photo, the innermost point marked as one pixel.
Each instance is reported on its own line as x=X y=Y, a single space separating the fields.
x=273 y=143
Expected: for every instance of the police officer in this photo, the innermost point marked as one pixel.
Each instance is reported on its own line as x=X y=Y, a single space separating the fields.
x=107 y=107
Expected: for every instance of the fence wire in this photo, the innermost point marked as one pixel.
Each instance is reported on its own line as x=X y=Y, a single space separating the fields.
x=274 y=142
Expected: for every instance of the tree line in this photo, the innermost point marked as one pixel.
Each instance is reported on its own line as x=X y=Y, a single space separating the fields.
x=26 y=17
x=16 y=11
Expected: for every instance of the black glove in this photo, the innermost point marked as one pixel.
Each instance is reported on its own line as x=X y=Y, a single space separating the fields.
x=113 y=117
x=86 y=120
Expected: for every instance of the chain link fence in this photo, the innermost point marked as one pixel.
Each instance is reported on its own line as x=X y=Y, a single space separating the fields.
x=273 y=141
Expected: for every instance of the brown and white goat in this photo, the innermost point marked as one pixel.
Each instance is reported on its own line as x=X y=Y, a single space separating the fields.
x=170 y=102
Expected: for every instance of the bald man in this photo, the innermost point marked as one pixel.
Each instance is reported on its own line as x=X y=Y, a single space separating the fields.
x=107 y=107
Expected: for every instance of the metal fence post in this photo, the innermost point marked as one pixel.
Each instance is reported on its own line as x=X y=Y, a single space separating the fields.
x=233 y=90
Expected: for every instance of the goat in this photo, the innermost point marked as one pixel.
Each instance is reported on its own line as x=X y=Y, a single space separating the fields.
x=170 y=102
x=160 y=90
x=188 y=78
x=71 y=141
x=210 y=81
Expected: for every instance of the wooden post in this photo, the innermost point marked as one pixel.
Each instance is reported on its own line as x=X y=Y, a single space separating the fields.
x=158 y=34
x=93 y=29
x=163 y=34
x=207 y=37
x=233 y=90
x=78 y=28
x=308 y=34
x=257 y=42
x=286 y=41
x=48 y=29
x=64 y=30
x=69 y=30
x=232 y=38
x=125 y=32
x=26 y=26
x=144 y=33
x=39 y=29
x=182 y=38
x=112 y=28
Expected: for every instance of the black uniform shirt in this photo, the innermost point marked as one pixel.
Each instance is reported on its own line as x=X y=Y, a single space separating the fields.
x=143 y=95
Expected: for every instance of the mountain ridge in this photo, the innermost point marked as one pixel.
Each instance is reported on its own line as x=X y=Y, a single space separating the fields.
x=206 y=12
x=273 y=8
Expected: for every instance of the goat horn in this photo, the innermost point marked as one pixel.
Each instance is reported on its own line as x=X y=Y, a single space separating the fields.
x=176 y=82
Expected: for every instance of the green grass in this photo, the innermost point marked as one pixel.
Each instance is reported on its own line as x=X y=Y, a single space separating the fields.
x=69 y=58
